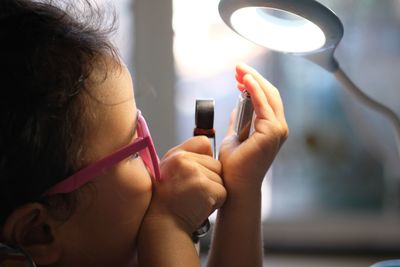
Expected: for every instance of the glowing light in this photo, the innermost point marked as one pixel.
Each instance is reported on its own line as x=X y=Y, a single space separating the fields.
x=277 y=29
x=203 y=47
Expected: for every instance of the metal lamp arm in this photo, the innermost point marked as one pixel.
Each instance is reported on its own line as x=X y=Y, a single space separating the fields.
x=355 y=91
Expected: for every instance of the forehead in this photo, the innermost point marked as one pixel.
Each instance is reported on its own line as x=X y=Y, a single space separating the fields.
x=110 y=83
x=111 y=110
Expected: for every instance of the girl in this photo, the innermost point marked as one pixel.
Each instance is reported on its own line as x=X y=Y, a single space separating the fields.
x=80 y=182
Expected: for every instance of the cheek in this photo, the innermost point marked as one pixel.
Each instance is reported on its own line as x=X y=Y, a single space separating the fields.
x=109 y=216
x=130 y=189
x=119 y=201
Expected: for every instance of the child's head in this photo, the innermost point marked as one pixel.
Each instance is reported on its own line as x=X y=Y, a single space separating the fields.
x=67 y=101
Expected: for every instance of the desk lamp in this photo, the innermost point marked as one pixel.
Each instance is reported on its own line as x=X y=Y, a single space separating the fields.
x=300 y=27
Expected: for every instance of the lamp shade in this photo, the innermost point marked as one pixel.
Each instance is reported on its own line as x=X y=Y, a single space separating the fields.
x=302 y=27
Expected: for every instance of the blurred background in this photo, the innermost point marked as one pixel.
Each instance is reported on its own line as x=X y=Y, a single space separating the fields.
x=332 y=196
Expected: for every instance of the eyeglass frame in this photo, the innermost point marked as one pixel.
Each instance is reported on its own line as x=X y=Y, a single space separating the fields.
x=15 y=254
x=142 y=144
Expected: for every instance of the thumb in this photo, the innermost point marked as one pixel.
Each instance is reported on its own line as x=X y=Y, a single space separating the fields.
x=197 y=144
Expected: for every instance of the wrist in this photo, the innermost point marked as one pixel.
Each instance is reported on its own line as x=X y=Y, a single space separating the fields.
x=242 y=197
x=163 y=242
x=249 y=197
x=158 y=218
x=242 y=186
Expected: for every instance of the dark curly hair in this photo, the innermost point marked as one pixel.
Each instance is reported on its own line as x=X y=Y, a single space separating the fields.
x=48 y=50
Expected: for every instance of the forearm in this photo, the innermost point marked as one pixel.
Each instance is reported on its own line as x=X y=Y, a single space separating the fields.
x=167 y=245
x=237 y=240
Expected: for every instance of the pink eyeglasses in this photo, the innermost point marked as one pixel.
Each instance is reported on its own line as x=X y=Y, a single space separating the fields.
x=143 y=145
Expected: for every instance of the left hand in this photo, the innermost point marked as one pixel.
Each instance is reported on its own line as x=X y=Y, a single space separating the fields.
x=245 y=164
x=190 y=188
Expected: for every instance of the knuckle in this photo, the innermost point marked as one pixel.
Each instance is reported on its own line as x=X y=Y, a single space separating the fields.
x=180 y=156
x=202 y=184
x=187 y=169
x=212 y=203
x=284 y=129
x=280 y=130
x=223 y=194
x=179 y=160
x=218 y=198
x=218 y=165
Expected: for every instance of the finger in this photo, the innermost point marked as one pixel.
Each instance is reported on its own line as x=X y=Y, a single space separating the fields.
x=239 y=78
x=270 y=90
x=190 y=161
x=206 y=162
x=241 y=70
x=241 y=87
x=216 y=193
x=211 y=175
x=260 y=102
x=196 y=144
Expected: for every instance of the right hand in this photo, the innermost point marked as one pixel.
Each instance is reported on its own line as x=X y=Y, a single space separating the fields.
x=245 y=164
x=190 y=188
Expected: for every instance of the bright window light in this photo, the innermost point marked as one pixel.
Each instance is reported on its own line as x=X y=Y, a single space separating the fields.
x=277 y=29
x=203 y=47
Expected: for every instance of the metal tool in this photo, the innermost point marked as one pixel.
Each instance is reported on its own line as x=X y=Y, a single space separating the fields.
x=204 y=120
x=244 y=116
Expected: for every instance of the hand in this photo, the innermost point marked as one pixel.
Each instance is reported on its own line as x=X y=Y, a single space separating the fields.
x=191 y=185
x=245 y=164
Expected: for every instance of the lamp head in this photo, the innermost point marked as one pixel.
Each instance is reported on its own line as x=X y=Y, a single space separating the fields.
x=301 y=27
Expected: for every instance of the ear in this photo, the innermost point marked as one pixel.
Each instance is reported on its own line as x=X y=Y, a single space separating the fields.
x=32 y=228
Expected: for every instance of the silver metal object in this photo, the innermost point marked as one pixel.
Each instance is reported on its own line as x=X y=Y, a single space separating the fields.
x=244 y=116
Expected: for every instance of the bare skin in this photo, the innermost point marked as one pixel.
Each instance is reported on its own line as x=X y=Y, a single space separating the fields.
x=125 y=215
